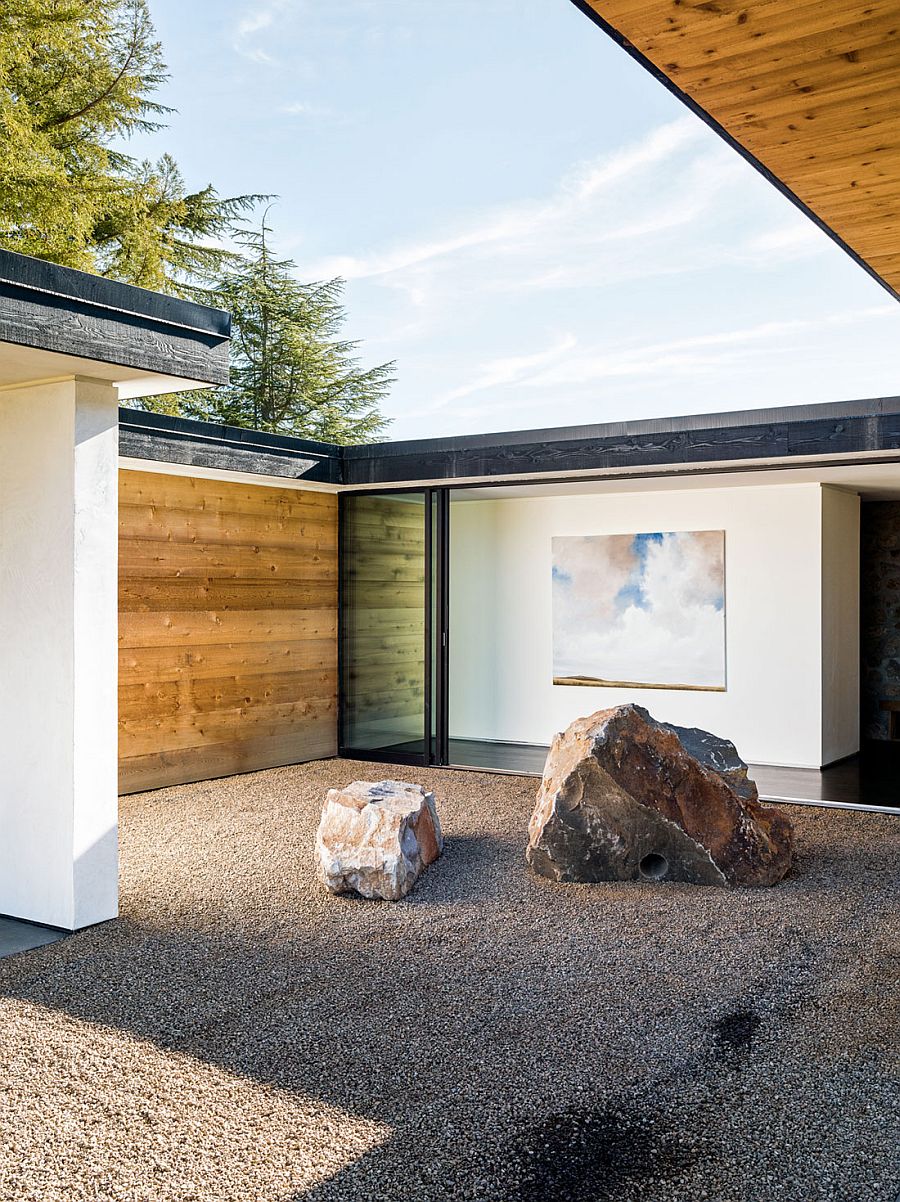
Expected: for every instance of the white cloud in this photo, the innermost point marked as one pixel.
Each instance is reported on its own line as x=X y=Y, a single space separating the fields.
x=592 y=178
x=256 y=19
x=301 y=27
x=512 y=369
x=301 y=108
x=695 y=353
x=650 y=210
x=799 y=237
x=520 y=384
x=515 y=228
x=630 y=286
x=253 y=22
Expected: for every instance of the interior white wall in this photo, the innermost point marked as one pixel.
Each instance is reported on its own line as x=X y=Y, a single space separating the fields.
x=840 y=624
x=58 y=623
x=501 y=627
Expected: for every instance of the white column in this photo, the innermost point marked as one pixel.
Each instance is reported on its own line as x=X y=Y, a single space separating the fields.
x=58 y=659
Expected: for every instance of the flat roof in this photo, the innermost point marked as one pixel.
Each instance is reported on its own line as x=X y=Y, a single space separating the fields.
x=159 y=438
x=833 y=433
x=73 y=318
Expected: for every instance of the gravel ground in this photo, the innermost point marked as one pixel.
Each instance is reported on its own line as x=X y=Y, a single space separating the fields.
x=240 y=1035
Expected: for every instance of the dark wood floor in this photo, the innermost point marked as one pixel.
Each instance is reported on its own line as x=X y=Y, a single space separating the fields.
x=869 y=779
x=527 y=758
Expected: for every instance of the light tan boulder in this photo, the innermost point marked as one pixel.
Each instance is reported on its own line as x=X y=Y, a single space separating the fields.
x=376 y=839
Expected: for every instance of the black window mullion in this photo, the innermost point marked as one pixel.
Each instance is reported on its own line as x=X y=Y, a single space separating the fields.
x=429 y=624
x=442 y=656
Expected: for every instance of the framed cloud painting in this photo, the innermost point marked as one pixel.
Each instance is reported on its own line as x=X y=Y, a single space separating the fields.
x=645 y=610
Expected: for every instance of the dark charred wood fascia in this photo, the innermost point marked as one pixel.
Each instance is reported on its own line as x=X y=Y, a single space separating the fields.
x=52 y=308
x=828 y=434
x=164 y=439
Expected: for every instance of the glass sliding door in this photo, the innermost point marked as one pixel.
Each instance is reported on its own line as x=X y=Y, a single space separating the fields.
x=495 y=586
x=386 y=676
x=438 y=606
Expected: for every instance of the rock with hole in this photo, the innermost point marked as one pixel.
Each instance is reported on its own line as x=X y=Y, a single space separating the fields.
x=376 y=838
x=627 y=798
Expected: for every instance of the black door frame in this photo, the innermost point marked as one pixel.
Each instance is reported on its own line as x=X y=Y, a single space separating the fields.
x=440 y=646
x=436 y=511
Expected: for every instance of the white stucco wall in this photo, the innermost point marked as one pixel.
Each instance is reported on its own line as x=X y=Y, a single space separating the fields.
x=501 y=629
x=58 y=622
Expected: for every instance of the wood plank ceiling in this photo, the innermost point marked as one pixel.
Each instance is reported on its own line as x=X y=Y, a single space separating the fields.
x=808 y=89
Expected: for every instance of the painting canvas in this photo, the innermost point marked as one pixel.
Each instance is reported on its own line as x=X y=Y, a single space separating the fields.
x=644 y=610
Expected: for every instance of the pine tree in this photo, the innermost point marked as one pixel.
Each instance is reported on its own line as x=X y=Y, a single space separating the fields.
x=77 y=77
x=291 y=372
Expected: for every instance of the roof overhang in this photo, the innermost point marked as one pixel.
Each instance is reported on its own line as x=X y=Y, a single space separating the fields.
x=56 y=322
x=852 y=432
x=807 y=92
x=156 y=438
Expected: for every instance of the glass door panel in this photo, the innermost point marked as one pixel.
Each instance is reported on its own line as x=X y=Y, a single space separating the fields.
x=385 y=540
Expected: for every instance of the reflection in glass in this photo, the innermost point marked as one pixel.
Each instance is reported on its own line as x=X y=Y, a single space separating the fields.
x=383 y=623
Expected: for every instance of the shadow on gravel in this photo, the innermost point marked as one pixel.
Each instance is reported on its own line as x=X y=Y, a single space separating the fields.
x=592 y=1155
x=481 y=1003
x=470 y=869
x=734 y=1032
x=575 y=1155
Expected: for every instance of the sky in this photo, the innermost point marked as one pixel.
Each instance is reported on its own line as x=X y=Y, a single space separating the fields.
x=530 y=226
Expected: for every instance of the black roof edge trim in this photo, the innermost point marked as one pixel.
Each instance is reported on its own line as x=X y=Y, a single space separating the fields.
x=51 y=279
x=776 y=415
x=819 y=432
x=659 y=75
x=231 y=436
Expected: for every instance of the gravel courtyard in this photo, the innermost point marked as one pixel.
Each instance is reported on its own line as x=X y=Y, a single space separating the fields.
x=241 y=1036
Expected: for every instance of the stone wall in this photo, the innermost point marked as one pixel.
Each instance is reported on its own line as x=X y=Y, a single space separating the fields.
x=880 y=613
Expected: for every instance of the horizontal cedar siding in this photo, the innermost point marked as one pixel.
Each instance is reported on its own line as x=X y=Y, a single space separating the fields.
x=227 y=628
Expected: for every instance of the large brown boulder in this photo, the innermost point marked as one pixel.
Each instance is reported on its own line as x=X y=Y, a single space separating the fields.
x=376 y=838
x=627 y=798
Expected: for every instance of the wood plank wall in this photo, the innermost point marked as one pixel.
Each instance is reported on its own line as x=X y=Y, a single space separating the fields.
x=384 y=647
x=227 y=628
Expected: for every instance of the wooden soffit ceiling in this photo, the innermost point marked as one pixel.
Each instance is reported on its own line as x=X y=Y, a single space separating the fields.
x=808 y=90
